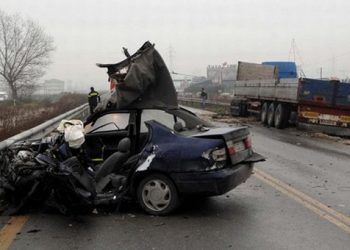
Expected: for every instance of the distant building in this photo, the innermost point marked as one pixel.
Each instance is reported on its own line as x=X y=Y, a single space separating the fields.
x=3 y=95
x=184 y=84
x=221 y=74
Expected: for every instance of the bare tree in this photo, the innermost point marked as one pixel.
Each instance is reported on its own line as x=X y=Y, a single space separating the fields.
x=24 y=53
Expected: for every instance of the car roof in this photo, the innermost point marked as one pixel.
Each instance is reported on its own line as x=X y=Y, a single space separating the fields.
x=142 y=80
x=97 y=115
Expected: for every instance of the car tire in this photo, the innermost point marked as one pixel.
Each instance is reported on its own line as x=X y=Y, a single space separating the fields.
x=281 y=116
x=263 y=113
x=271 y=115
x=157 y=195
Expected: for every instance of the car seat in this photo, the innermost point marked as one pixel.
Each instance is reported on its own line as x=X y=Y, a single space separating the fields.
x=115 y=160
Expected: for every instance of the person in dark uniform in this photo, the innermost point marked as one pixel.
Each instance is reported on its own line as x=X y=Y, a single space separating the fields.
x=93 y=98
x=204 y=97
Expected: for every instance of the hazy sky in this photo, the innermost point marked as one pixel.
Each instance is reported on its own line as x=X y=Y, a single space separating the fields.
x=199 y=33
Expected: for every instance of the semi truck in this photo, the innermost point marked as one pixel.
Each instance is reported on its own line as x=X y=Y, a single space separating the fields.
x=273 y=91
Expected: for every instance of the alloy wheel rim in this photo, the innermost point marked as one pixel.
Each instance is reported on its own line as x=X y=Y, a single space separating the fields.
x=156 y=195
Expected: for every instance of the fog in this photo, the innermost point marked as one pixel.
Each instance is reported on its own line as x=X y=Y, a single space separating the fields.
x=195 y=33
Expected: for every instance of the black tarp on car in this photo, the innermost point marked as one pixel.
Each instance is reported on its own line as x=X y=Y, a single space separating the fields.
x=143 y=81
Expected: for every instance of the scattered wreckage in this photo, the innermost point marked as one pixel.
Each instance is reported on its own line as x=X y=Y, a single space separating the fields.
x=138 y=145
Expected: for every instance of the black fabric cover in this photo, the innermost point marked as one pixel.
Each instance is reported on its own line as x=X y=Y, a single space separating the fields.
x=143 y=81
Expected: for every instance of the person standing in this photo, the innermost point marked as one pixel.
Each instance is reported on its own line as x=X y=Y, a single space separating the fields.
x=93 y=99
x=204 y=97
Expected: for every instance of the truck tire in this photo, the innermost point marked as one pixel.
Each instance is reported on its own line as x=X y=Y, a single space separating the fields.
x=271 y=115
x=281 y=116
x=234 y=107
x=243 y=109
x=263 y=113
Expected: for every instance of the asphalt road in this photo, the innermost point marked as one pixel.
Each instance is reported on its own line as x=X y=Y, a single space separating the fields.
x=283 y=206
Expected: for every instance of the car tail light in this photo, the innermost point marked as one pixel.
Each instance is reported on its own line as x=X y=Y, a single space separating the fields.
x=217 y=158
x=248 y=142
x=234 y=147
x=219 y=154
x=231 y=150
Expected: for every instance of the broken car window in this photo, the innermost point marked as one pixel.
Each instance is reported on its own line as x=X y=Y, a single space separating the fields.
x=160 y=116
x=109 y=122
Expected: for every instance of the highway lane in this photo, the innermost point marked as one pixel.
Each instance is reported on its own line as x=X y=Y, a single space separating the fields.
x=256 y=215
x=318 y=167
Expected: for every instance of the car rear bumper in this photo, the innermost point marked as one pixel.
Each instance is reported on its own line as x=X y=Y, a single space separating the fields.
x=212 y=182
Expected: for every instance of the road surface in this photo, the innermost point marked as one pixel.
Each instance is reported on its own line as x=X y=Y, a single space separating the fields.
x=298 y=199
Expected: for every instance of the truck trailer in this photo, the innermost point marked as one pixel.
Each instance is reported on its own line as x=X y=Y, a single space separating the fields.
x=280 y=99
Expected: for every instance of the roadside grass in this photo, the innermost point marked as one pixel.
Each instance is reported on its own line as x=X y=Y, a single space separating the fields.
x=30 y=113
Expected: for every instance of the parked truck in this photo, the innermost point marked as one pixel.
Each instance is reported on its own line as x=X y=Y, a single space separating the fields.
x=273 y=91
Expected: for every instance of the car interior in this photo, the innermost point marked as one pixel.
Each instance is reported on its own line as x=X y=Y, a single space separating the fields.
x=104 y=132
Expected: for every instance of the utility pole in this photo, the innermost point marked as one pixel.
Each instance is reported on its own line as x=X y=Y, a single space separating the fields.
x=292 y=50
x=333 y=66
x=171 y=58
x=321 y=73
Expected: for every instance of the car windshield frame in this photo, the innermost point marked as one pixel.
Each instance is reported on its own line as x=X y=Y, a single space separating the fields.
x=191 y=119
x=89 y=126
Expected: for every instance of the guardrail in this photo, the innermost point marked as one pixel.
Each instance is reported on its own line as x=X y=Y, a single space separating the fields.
x=207 y=102
x=46 y=127
x=218 y=106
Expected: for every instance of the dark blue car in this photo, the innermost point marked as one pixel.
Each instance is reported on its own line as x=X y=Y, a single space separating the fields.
x=172 y=153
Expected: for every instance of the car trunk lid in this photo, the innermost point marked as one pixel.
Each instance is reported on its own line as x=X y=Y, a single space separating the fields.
x=237 y=140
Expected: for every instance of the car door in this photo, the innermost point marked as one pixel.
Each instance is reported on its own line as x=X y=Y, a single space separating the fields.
x=104 y=133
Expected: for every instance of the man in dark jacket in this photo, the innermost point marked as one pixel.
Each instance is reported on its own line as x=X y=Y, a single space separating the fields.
x=93 y=98
x=204 y=97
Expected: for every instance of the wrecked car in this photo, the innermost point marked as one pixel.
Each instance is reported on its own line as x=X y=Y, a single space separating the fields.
x=138 y=145
x=176 y=154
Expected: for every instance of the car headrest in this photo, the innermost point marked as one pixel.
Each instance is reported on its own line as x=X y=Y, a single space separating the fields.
x=178 y=126
x=124 y=145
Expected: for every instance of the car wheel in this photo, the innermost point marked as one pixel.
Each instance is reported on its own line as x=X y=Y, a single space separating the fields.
x=263 y=113
x=157 y=195
x=271 y=115
x=281 y=116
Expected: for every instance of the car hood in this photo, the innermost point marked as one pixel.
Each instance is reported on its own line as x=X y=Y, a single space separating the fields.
x=142 y=81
